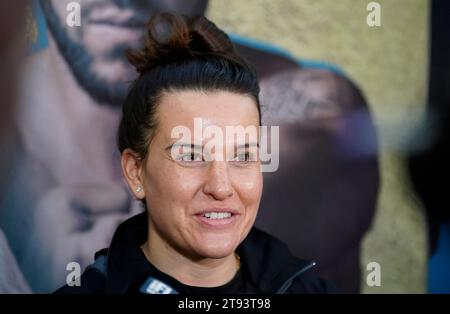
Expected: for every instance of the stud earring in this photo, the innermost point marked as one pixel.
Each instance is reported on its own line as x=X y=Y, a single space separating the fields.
x=138 y=189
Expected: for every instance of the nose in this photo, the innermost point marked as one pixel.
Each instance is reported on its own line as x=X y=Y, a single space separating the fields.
x=218 y=184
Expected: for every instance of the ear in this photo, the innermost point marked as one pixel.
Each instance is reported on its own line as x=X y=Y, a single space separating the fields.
x=132 y=169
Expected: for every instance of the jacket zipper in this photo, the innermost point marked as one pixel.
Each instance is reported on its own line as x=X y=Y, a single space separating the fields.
x=285 y=286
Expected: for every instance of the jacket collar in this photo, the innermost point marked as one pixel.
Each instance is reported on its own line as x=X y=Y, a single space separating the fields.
x=125 y=260
x=266 y=260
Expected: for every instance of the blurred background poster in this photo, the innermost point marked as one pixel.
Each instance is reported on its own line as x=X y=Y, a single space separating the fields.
x=348 y=82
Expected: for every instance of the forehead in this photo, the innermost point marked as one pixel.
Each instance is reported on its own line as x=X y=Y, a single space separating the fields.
x=218 y=108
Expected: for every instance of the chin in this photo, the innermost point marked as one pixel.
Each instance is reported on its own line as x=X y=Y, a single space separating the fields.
x=218 y=247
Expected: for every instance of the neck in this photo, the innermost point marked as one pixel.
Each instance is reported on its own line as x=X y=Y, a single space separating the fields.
x=199 y=272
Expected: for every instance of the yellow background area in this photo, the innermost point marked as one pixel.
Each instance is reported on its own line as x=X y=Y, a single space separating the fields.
x=390 y=65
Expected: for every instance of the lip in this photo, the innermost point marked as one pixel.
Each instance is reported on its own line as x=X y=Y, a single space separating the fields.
x=113 y=17
x=131 y=23
x=217 y=210
x=217 y=223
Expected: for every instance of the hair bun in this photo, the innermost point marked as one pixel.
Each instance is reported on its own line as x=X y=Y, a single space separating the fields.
x=170 y=38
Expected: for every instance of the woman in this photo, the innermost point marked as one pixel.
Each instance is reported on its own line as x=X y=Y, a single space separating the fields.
x=195 y=235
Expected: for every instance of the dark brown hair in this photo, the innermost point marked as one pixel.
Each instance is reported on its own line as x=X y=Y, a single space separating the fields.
x=179 y=53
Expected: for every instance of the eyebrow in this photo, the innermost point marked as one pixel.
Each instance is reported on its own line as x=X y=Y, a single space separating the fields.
x=193 y=146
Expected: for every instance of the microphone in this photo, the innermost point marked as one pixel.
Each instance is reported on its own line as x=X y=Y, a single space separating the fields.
x=156 y=286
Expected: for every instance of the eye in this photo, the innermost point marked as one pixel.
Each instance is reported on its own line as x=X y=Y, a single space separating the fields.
x=191 y=157
x=244 y=157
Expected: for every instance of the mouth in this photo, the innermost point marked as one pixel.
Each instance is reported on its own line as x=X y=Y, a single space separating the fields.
x=114 y=17
x=130 y=23
x=217 y=217
x=116 y=30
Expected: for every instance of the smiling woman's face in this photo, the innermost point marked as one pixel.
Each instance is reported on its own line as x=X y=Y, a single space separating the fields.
x=202 y=208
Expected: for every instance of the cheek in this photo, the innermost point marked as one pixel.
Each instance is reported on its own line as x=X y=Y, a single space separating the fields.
x=171 y=188
x=60 y=9
x=250 y=189
x=186 y=183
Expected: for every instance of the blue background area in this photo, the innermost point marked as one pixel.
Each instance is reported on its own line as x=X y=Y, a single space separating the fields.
x=439 y=264
x=42 y=39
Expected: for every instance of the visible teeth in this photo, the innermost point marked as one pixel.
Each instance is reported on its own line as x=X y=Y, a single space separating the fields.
x=216 y=215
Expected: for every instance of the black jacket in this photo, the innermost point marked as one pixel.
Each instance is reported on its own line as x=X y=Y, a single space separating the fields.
x=267 y=262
